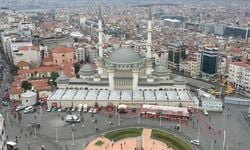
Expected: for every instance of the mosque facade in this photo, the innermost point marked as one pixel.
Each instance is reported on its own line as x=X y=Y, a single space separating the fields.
x=125 y=76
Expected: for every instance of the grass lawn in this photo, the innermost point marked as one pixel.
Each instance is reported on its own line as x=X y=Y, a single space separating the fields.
x=123 y=133
x=174 y=142
x=99 y=143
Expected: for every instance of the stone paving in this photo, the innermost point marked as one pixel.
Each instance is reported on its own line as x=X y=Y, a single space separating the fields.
x=129 y=143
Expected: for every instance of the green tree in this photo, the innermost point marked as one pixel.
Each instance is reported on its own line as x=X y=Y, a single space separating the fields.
x=26 y=85
x=77 y=67
x=54 y=76
x=14 y=69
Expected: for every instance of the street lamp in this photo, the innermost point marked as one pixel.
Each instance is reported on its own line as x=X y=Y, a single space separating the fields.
x=35 y=132
x=73 y=138
x=160 y=119
x=211 y=148
x=224 y=140
x=119 y=119
x=41 y=110
x=56 y=136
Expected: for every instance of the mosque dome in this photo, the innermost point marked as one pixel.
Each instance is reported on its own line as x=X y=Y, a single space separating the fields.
x=180 y=80
x=161 y=70
x=124 y=56
x=87 y=70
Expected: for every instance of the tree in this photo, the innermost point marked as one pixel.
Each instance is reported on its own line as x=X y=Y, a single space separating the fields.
x=77 y=67
x=54 y=76
x=14 y=69
x=81 y=62
x=26 y=85
x=180 y=105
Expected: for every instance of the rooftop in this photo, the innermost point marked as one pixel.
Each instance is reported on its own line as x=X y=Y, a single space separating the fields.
x=117 y=95
x=62 y=50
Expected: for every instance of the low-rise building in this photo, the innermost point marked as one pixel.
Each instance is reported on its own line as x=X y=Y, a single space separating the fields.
x=3 y=145
x=209 y=102
x=30 y=54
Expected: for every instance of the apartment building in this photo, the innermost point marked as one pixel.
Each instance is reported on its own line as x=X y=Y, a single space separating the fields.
x=239 y=74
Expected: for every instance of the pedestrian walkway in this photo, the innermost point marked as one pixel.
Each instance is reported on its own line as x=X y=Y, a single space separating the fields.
x=129 y=143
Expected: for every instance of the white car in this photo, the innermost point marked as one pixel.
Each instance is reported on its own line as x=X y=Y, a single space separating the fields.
x=49 y=110
x=73 y=109
x=94 y=111
x=90 y=110
x=195 y=142
x=59 y=110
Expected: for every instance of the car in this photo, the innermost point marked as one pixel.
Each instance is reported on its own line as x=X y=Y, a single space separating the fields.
x=63 y=110
x=20 y=107
x=59 y=109
x=49 y=110
x=90 y=110
x=28 y=111
x=35 y=124
x=73 y=109
x=205 y=112
x=94 y=111
x=195 y=142
x=72 y=119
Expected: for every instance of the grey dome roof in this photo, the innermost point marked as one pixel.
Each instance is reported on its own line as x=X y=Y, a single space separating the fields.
x=97 y=75
x=124 y=56
x=62 y=79
x=180 y=80
x=87 y=69
x=161 y=70
x=150 y=76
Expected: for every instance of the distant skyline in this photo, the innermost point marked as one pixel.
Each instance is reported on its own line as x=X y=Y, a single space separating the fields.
x=50 y=4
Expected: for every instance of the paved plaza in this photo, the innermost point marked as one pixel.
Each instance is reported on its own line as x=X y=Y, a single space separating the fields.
x=129 y=144
x=211 y=129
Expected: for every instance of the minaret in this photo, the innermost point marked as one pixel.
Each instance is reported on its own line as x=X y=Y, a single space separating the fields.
x=100 y=32
x=99 y=62
x=149 y=43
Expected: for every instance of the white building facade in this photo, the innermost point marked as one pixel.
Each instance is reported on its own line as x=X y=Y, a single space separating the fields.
x=239 y=75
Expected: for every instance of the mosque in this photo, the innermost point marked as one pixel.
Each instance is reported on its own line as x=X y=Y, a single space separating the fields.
x=125 y=76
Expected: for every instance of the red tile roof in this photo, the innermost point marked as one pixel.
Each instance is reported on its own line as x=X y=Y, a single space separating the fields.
x=22 y=64
x=62 y=50
x=26 y=48
x=41 y=69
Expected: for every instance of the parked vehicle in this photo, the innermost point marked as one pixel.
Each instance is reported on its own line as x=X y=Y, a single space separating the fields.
x=195 y=142
x=205 y=112
x=20 y=107
x=63 y=109
x=11 y=145
x=80 y=106
x=72 y=119
x=49 y=109
x=85 y=108
x=73 y=109
x=28 y=109
x=94 y=111
x=91 y=110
